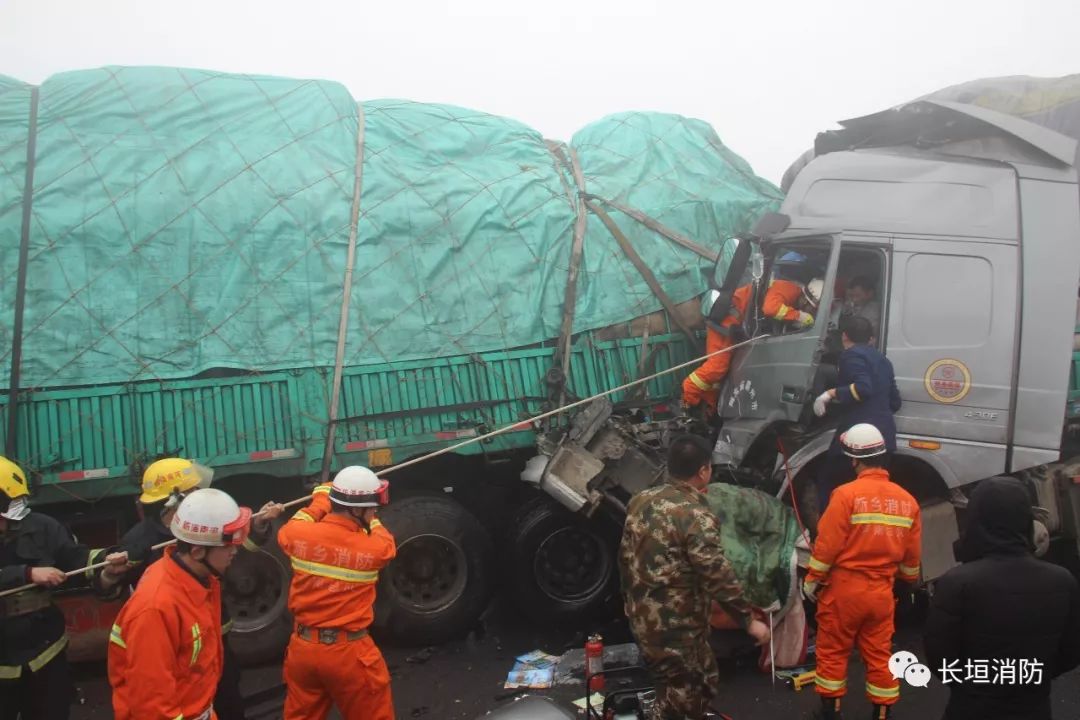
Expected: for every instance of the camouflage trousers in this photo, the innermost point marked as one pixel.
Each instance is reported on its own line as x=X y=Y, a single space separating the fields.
x=686 y=679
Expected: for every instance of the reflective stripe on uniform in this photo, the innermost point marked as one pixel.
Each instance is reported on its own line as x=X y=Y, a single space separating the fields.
x=227 y=627
x=784 y=310
x=816 y=564
x=854 y=392
x=321 y=489
x=833 y=685
x=882 y=519
x=335 y=572
x=91 y=560
x=701 y=384
x=196 y=642
x=301 y=515
x=909 y=571
x=883 y=693
x=375 y=523
x=249 y=544
x=116 y=638
x=51 y=652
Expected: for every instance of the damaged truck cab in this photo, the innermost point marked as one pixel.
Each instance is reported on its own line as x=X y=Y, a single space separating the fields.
x=966 y=222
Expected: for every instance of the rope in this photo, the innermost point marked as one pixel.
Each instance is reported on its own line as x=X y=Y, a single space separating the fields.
x=469 y=441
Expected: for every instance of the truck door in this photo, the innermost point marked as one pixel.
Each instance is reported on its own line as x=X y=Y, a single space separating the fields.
x=772 y=379
x=951 y=339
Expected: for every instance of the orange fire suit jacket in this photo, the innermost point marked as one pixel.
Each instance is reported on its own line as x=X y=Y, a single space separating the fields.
x=320 y=505
x=781 y=300
x=335 y=566
x=871 y=526
x=704 y=383
x=165 y=653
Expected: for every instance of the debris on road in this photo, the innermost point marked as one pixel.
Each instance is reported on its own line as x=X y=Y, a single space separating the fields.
x=535 y=669
x=421 y=657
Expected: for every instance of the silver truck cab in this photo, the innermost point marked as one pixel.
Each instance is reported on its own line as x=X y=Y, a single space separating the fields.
x=967 y=222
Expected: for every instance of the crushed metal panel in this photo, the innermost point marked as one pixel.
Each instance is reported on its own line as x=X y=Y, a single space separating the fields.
x=567 y=475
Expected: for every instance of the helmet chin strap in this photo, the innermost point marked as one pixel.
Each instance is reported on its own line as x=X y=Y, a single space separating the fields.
x=209 y=568
x=360 y=518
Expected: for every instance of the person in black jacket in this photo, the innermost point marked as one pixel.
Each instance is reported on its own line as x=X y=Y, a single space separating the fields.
x=1005 y=608
x=165 y=483
x=865 y=392
x=37 y=550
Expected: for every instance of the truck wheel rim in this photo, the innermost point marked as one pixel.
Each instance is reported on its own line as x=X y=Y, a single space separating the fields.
x=571 y=564
x=255 y=591
x=429 y=573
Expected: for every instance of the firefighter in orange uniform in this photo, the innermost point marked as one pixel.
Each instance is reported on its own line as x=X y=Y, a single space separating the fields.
x=869 y=535
x=336 y=557
x=165 y=651
x=789 y=301
x=703 y=385
x=794 y=293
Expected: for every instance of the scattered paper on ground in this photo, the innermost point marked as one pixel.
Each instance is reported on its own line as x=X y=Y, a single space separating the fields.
x=596 y=701
x=532 y=670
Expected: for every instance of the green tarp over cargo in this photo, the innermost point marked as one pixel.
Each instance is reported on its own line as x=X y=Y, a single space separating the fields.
x=758 y=534
x=186 y=220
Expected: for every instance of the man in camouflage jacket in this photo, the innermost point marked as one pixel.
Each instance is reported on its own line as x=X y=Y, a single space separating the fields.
x=672 y=566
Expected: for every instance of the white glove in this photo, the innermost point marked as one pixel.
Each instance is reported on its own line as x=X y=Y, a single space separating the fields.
x=810 y=590
x=805 y=319
x=822 y=400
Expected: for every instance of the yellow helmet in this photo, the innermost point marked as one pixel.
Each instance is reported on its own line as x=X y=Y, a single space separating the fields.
x=13 y=491
x=172 y=478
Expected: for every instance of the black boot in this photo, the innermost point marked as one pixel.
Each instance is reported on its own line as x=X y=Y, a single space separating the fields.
x=882 y=712
x=829 y=710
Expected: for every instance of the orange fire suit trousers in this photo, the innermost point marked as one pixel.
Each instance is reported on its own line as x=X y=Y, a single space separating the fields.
x=855 y=611
x=349 y=674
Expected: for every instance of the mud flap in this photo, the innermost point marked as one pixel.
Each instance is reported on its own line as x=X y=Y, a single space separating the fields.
x=939 y=532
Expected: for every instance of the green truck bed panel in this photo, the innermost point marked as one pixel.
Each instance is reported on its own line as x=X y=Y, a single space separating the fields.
x=83 y=441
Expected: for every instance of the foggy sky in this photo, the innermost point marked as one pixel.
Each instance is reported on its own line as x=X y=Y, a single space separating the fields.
x=767 y=75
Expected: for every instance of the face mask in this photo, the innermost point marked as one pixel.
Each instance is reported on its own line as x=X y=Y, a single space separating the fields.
x=17 y=510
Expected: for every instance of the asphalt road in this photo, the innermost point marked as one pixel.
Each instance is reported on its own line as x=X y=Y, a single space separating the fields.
x=463 y=680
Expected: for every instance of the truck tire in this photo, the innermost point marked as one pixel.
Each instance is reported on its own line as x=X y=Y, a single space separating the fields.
x=256 y=591
x=439 y=583
x=563 y=566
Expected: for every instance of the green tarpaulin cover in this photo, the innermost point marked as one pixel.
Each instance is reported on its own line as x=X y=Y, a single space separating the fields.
x=758 y=534
x=184 y=220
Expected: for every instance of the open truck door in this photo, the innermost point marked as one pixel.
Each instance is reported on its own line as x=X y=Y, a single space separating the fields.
x=774 y=379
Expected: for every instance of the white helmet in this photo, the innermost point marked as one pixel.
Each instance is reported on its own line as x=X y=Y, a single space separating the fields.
x=209 y=517
x=357 y=486
x=862 y=441
x=812 y=291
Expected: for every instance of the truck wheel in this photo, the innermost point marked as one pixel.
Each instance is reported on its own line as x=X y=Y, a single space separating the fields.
x=562 y=565
x=439 y=583
x=256 y=591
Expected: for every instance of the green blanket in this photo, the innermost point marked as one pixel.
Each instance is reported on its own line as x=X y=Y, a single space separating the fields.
x=759 y=534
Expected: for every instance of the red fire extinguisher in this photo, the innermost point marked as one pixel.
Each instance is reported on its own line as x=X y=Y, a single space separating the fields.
x=594 y=663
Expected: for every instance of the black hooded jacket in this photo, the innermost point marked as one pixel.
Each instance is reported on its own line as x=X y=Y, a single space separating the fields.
x=1002 y=608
